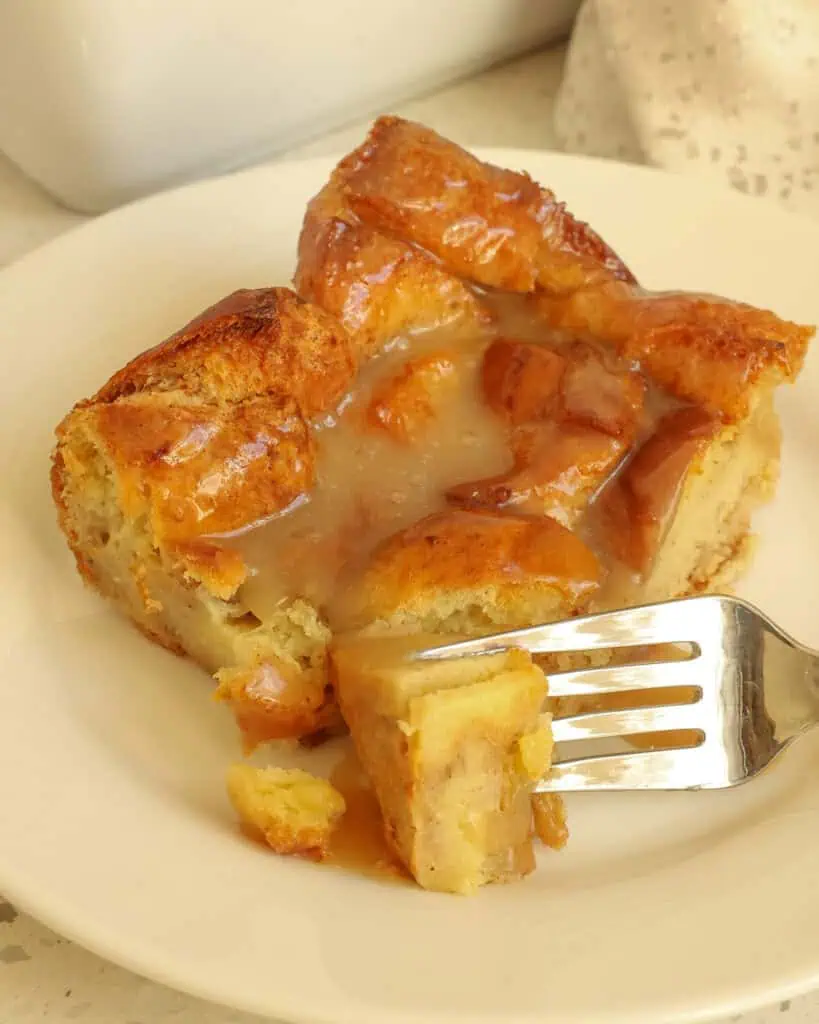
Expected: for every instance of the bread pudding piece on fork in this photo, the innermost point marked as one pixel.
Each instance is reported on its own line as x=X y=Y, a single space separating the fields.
x=453 y=750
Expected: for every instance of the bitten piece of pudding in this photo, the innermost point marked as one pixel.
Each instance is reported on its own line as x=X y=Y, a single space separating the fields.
x=453 y=750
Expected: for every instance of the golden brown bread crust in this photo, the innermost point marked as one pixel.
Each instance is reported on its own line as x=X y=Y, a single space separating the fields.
x=493 y=226
x=207 y=431
x=254 y=342
x=203 y=469
x=700 y=348
x=500 y=229
x=378 y=286
x=505 y=565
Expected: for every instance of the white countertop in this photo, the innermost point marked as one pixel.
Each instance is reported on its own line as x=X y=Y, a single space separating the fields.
x=45 y=978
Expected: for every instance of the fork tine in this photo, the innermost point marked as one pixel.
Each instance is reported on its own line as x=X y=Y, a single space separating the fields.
x=649 y=624
x=615 y=679
x=626 y=722
x=686 y=768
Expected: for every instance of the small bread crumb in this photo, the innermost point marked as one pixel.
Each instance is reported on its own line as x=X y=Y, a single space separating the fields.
x=293 y=811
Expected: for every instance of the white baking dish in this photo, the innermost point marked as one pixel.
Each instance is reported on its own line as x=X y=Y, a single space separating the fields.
x=105 y=100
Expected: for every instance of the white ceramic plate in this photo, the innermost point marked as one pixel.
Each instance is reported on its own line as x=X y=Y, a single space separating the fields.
x=115 y=829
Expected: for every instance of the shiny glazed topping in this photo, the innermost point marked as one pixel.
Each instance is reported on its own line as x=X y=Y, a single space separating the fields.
x=511 y=418
x=415 y=426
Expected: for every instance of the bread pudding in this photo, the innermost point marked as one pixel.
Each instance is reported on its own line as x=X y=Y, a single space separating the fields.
x=453 y=750
x=466 y=415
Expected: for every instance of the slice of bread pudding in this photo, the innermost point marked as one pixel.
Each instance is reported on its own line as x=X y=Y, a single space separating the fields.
x=470 y=417
x=453 y=750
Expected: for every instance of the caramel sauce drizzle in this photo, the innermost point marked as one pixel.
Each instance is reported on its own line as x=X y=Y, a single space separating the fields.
x=358 y=843
x=424 y=431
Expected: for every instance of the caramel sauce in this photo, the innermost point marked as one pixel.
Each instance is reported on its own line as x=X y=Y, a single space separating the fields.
x=358 y=843
x=423 y=431
x=370 y=482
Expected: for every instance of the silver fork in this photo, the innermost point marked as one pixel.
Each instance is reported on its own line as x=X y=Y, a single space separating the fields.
x=755 y=689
